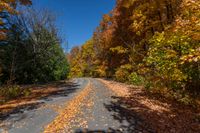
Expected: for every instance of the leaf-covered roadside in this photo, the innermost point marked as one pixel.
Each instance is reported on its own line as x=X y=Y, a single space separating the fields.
x=36 y=92
x=162 y=115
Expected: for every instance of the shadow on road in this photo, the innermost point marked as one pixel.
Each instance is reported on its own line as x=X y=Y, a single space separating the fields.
x=122 y=112
x=40 y=92
x=164 y=117
x=91 y=131
x=63 y=90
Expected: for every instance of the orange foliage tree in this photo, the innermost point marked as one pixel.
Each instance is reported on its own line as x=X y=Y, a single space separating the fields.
x=153 y=40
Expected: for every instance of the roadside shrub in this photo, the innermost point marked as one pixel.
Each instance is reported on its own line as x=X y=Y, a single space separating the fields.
x=14 y=91
x=148 y=85
x=173 y=59
x=122 y=73
x=101 y=70
x=136 y=79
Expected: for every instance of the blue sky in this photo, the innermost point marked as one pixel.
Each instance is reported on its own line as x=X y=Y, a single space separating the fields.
x=76 y=19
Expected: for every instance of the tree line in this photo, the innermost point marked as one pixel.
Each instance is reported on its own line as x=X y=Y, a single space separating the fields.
x=155 y=43
x=30 y=45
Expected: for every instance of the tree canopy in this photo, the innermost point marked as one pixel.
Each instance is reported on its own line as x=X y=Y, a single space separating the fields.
x=155 y=41
x=30 y=46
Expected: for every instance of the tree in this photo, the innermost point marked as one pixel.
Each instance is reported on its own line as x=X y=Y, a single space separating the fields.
x=153 y=41
x=8 y=7
x=32 y=50
x=82 y=60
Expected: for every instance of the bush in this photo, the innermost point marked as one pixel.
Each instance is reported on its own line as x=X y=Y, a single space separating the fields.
x=122 y=73
x=173 y=60
x=14 y=91
x=136 y=79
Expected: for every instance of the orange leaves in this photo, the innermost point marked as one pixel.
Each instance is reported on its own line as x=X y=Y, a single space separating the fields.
x=189 y=19
x=9 y=7
x=63 y=121
x=157 y=34
x=194 y=56
x=6 y=6
x=119 y=50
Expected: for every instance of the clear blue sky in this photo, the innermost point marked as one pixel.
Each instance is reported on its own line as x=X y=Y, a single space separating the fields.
x=76 y=19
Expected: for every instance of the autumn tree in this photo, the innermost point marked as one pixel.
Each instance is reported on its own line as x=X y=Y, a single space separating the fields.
x=153 y=42
x=83 y=60
x=8 y=7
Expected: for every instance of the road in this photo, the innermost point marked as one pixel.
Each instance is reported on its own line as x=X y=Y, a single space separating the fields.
x=88 y=109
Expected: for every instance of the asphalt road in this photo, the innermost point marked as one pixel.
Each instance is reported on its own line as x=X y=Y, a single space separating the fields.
x=101 y=116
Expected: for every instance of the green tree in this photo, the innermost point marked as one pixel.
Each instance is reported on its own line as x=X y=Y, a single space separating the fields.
x=32 y=50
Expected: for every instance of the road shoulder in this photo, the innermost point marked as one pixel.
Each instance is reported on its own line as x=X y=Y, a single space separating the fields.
x=161 y=116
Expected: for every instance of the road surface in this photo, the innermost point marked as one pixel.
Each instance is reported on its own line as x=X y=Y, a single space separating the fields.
x=87 y=109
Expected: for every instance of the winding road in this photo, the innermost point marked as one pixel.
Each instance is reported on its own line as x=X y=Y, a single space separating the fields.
x=87 y=108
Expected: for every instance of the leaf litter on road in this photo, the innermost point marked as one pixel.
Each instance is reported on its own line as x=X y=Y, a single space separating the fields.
x=64 y=121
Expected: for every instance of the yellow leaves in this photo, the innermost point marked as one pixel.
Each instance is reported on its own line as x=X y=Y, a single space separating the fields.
x=126 y=66
x=127 y=3
x=189 y=20
x=119 y=50
x=164 y=55
x=194 y=56
x=171 y=53
x=122 y=72
x=137 y=26
x=106 y=18
x=101 y=70
x=177 y=75
x=6 y=6
x=65 y=118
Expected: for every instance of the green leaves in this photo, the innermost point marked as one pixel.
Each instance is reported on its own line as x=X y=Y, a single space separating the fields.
x=167 y=54
x=34 y=54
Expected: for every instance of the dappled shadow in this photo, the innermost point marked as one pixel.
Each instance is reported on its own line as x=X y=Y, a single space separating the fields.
x=123 y=112
x=91 y=131
x=40 y=95
x=19 y=110
x=63 y=90
x=16 y=114
x=177 y=117
x=152 y=116
x=110 y=130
